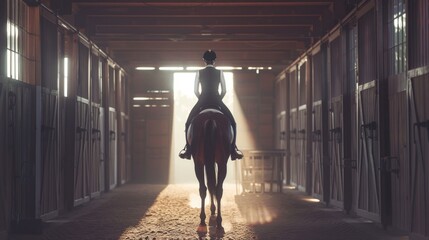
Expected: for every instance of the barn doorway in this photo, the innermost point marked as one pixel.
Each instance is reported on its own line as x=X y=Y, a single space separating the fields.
x=182 y=170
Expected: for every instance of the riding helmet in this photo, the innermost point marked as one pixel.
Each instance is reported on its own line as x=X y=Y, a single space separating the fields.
x=209 y=55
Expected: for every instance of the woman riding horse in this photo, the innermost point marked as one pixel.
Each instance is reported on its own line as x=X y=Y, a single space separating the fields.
x=210 y=78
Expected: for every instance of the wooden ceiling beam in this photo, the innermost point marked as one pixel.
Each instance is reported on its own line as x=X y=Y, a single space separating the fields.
x=231 y=30
x=202 y=21
x=173 y=32
x=214 y=11
x=192 y=45
x=176 y=3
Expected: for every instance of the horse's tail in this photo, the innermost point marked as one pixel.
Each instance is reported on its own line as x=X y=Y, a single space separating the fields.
x=210 y=152
x=210 y=141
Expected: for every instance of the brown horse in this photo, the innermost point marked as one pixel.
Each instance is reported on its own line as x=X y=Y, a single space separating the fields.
x=210 y=136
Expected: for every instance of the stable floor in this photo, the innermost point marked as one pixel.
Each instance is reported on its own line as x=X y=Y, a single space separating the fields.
x=141 y=211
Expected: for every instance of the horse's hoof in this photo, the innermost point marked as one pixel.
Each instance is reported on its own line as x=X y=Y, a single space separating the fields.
x=202 y=229
x=220 y=231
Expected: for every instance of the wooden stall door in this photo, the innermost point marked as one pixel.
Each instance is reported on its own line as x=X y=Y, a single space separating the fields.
x=368 y=162
x=399 y=164
x=368 y=189
x=49 y=153
x=335 y=148
x=419 y=161
x=96 y=120
x=335 y=121
x=96 y=143
x=18 y=104
x=318 y=63
x=49 y=146
x=21 y=136
x=82 y=120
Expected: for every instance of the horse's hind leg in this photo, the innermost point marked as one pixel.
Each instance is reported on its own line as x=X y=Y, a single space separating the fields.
x=211 y=184
x=219 y=193
x=199 y=172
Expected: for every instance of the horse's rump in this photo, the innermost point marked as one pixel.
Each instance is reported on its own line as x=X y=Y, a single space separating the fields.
x=210 y=136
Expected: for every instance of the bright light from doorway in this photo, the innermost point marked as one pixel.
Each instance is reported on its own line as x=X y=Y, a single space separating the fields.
x=171 y=68
x=145 y=68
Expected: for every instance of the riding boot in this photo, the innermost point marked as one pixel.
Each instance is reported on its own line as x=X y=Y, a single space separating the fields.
x=185 y=153
x=235 y=153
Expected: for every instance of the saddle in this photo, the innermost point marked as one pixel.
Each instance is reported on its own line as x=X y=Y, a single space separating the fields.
x=209 y=106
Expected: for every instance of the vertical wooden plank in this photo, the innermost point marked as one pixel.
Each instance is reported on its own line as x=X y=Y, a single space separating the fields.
x=280 y=114
x=3 y=38
x=309 y=122
x=318 y=63
x=4 y=166
x=294 y=150
x=350 y=124
x=303 y=115
x=118 y=101
x=61 y=116
x=71 y=50
x=105 y=104
x=383 y=117
x=398 y=160
x=325 y=126
x=288 y=132
x=113 y=133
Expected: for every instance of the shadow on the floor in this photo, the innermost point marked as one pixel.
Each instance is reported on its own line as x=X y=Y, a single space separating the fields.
x=105 y=218
x=293 y=215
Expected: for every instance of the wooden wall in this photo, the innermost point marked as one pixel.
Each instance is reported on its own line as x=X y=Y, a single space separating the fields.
x=255 y=95
x=151 y=127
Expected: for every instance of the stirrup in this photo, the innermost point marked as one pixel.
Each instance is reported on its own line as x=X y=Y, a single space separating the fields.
x=236 y=154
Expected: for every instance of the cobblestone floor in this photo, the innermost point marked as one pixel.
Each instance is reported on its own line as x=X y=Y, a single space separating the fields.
x=143 y=212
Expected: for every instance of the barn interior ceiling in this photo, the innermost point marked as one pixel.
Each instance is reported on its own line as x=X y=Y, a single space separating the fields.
x=176 y=33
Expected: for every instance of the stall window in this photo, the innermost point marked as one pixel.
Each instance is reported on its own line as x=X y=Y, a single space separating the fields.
x=20 y=58
x=397 y=36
